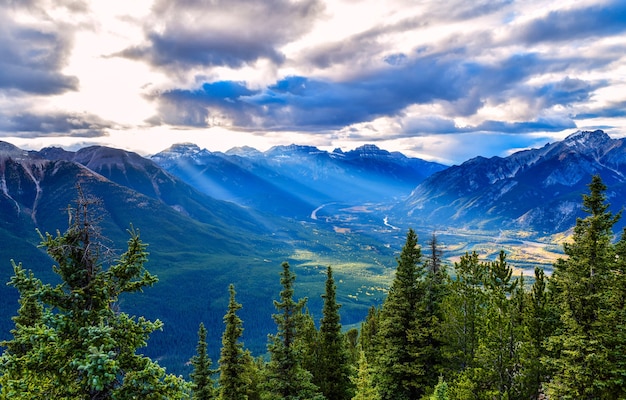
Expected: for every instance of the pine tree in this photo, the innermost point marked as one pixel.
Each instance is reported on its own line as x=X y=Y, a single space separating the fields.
x=202 y=384
x=615 y=322
x=233 y=382
x=70 y=340
x=364 y=380
x=436 y=287
x=285 y=377
x=463 y=314
x=400 y=367
x=253 y=373
x=369 y=332
x=580 y=283
x=441 y=391
x=334 y=370
x=497 y=353
x=539 y=322
x=352 y=345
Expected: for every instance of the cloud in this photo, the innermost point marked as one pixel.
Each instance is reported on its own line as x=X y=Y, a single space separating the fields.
x=53 y=124
x=298 y=102
x=32 y=57
x=610 y=110
x=232 y=33
x=570 y=24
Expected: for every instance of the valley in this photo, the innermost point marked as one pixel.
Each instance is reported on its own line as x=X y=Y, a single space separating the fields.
x=212 y=219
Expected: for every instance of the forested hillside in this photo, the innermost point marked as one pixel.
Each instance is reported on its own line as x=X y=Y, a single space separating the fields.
x=471 y=330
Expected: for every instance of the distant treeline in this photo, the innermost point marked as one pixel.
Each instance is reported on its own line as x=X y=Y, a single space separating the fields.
x=470 y=330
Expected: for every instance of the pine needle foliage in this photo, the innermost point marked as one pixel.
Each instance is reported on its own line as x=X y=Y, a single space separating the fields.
x=71 y=341
x=233 y=380
x=285 y=377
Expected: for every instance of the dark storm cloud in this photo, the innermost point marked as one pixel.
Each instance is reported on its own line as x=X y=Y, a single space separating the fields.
x=31 y=58
x=309 y=104
x=611 y=110
x=304 y=103
x=461 y=73
x=575 y=23
x=62 y=124
x=540 y=125
x=567 y=91
x=207 y=106
x=222 y=32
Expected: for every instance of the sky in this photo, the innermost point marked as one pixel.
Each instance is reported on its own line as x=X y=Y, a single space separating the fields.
x=440 y=80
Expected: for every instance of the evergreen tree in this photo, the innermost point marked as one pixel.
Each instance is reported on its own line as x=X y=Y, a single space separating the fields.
x=580 y=283
x=436 y=289
x=285 y=377
x=233 y=382
x=539 y=324
x=254 y=375
x=352 y=346
x=497 y=354
x=434 y=258
x=70 y=340
x=400 y=366
x=441 y=391
x=202 y=384
x=364 y=380
x=464 y=308
x=369 y=332
x=615 y=320
x=308 y=344
x=334 y=370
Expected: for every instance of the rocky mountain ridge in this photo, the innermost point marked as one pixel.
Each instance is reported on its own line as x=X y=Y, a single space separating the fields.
x=537 y=190
x=293 y=180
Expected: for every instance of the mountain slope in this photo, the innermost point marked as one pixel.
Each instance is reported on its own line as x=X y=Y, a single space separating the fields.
x=195 y=253
x=198 y=245
x=537 y=190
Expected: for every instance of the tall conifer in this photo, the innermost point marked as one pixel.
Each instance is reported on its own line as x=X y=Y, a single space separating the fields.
x=580 y=284
x=233 y=381
x=464 y=308
x=333 y=373
x=286 y=379
x=539 y=322
x=71 y=341
x=202 y=384
x=400 y=369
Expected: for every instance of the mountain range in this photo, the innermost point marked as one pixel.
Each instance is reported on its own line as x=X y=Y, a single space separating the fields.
x=213 y=218
x=293 y=180
x=536 y=191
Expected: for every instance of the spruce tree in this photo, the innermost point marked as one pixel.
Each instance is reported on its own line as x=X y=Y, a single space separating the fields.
x=285 y=377
x=71 y=341
x=464 y=313
x=499 y=341
x=308 y=344
x=254 y=375
x=615 y=321
x=369 y=332
x=436 y=288
x=580 y=284
x=441 y=391
x=539 y=323
x=233 y=382
x=333 y=372
x=202 y=384
x=352 y=345
x=364 y=380
x=400 y=365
